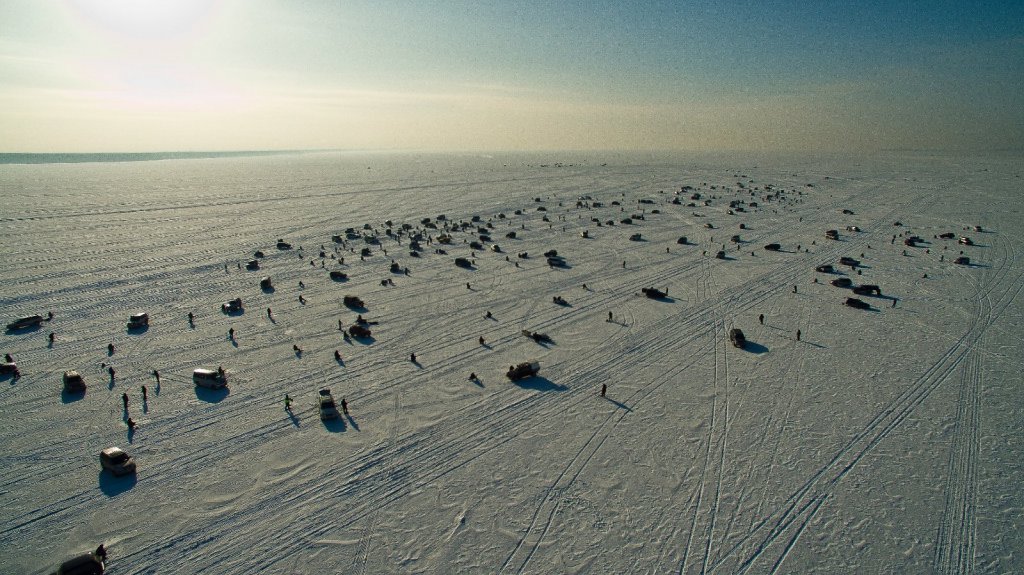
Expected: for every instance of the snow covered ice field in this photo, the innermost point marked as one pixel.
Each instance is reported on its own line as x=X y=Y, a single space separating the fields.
x=884 y=440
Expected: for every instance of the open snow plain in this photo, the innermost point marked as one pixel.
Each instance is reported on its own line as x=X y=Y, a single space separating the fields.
x=884 y=440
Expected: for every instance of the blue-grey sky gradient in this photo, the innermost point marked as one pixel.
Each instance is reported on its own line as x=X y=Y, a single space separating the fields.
x=150 y=75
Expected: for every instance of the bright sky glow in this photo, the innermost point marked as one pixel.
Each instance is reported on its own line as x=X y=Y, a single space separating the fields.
x=156 y=75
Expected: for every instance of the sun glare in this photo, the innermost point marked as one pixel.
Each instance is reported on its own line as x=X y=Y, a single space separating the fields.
x=145 y=20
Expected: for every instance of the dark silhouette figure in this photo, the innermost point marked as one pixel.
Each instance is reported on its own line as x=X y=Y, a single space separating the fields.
x=337 y=355
x=101 y=553
x=270 y=314
x=8 y=358
x=144 y=398
x=110 y=370
x=156 y=374
x=604 y=388
x=191 y=319
x=110 y=349
x=798 y=335
x=412 y=357
x=231 y=333
x=52 y=336
x=344 y=406
x=131 y=424
x=287 y=402
x=124 y=398
x=760 y=318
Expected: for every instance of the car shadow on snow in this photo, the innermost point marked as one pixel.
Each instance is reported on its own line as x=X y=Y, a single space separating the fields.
x=211 y=395
x=539 y=383
x=112 y=486
x=66 y=397
x=29 y=329
x=755 y=348
x=336 y=425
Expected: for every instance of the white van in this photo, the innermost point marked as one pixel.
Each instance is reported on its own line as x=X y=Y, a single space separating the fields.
x=209 y=378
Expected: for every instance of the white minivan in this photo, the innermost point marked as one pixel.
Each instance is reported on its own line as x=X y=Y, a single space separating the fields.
x=213 y=379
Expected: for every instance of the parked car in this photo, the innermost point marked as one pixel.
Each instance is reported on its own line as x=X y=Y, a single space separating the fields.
x=338 y=276
x=352 y=301
x=856 y=303
x=825 y=269
x=963 y=261
x=463 y=263
x=359 y=331
x=653 y=293
x=253 y=265
x=737 y=338
x=328 y=409
x=842 y=282
x=266 y=284
x=115 y=460
x=537 y=336
x=846 y=261
x=138 y=320
x=232 y=306
x=523 y=370
x=867 y=289
x=773 y=247
x=74 y=382
x=965 y=241
x=209 y=378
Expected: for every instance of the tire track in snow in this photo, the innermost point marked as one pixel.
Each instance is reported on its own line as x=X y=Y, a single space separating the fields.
x=955 y=542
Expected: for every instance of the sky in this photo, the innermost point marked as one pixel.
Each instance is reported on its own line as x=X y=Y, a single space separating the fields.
x=437 y=75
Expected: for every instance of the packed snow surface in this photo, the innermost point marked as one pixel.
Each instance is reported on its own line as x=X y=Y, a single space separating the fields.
x=886 y=439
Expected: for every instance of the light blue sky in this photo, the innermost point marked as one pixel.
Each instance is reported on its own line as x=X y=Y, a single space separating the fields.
x=153 y=75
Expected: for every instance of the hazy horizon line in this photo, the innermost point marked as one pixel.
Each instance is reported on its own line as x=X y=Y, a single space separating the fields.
x=122 y=156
